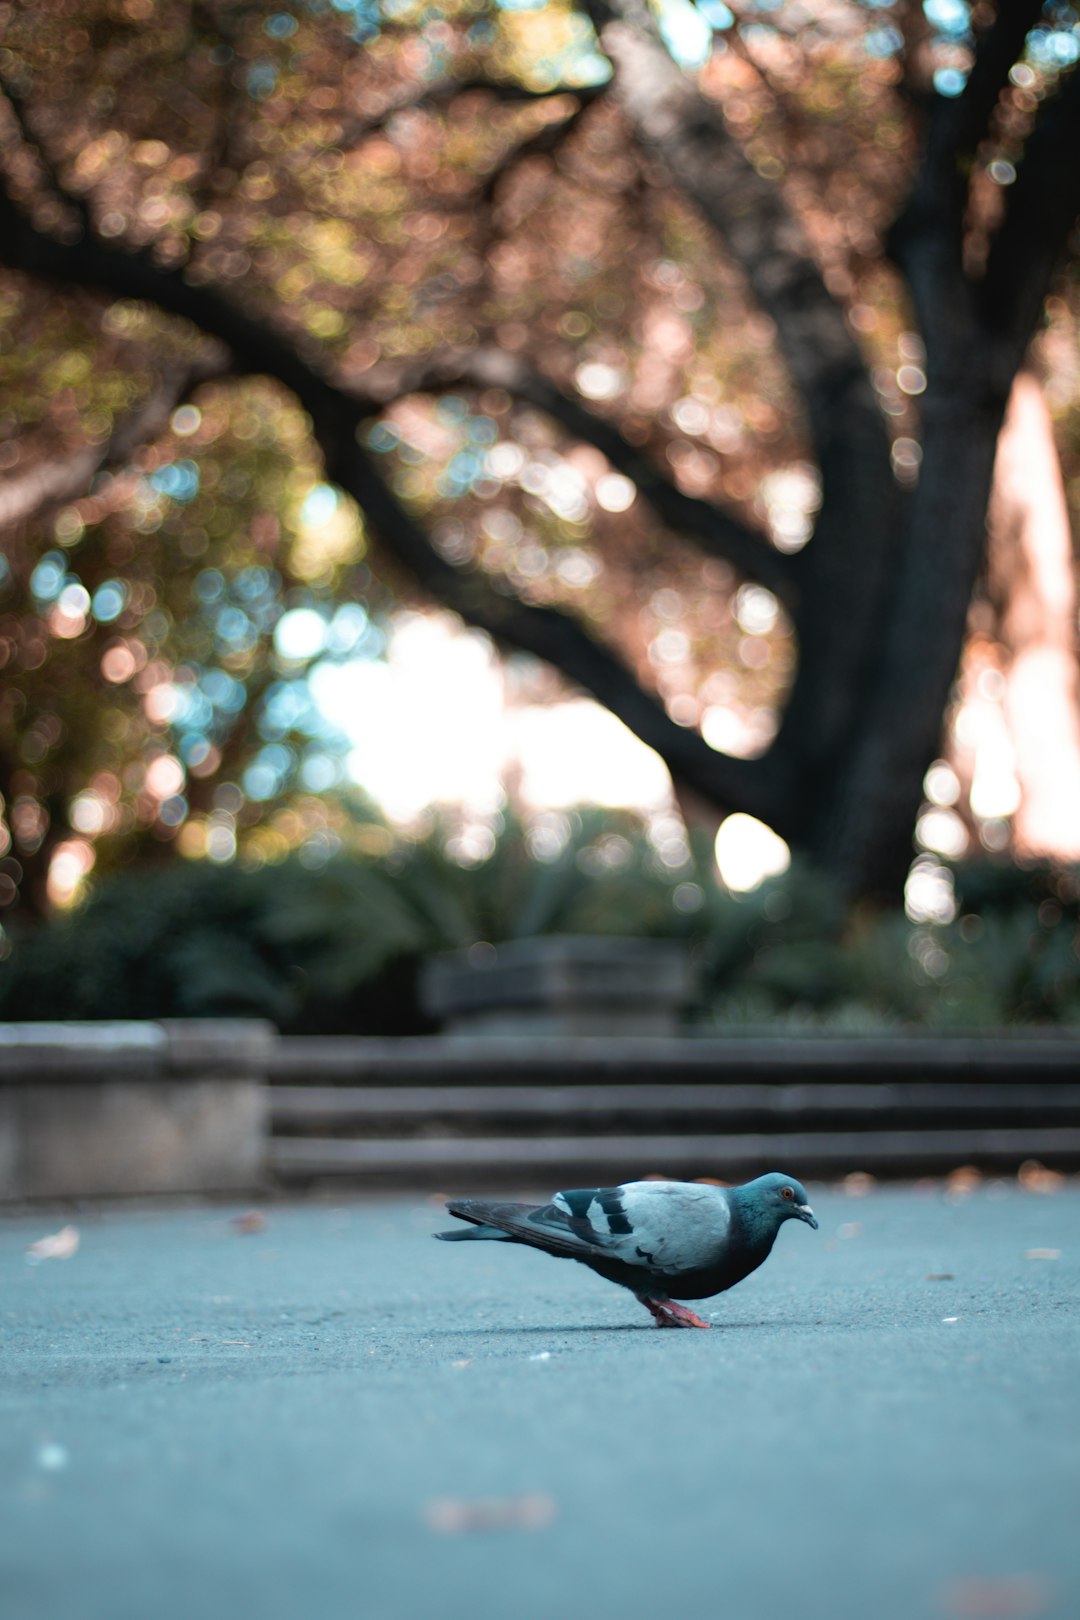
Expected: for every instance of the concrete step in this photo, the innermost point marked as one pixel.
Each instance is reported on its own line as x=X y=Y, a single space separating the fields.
x=513 y=1110
x=498 y=1059
x=454 y=1162
x=401 y=1108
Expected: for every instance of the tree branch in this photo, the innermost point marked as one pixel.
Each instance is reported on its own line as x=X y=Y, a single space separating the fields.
x=55 y=482
x=670 y=117
x=926 y=239
x=999 y=47
x=715 y=531
x=445 y=91
x=1041 y=209
x=753 y=785
x=542 y=141
x=845 y=570
x=72 y=200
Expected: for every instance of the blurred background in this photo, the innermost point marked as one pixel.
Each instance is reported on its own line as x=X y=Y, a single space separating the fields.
x=474 y=471
x=538 y=634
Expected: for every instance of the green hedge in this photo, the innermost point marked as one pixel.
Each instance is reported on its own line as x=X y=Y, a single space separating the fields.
x=336 y=948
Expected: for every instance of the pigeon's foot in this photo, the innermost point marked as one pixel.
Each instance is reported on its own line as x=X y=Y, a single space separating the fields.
x=667 y=1314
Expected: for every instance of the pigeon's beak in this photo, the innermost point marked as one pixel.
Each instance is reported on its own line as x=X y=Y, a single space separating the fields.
x=805 y=1213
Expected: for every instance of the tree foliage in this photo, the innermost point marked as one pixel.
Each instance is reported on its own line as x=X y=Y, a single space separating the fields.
x=689 y=386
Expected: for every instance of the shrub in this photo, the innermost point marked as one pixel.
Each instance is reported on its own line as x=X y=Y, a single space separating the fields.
x=336 y=949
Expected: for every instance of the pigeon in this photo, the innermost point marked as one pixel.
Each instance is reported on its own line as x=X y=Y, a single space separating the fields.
x=664 y=1240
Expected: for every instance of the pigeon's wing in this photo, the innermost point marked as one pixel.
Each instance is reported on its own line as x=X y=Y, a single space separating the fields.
x=543 y=1226
x=670 y=1227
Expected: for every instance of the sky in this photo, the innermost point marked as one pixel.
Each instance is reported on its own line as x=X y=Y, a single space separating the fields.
x=436 y=721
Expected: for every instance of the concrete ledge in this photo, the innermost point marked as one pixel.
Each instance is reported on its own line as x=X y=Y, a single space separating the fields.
x=560 y=985
x=103 y=1109
x=30 y=1052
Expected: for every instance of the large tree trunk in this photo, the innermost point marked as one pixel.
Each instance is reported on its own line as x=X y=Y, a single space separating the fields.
x=868 y=838
x=976 y=329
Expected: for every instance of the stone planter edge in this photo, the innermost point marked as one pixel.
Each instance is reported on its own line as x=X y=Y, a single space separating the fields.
x=115 y=1109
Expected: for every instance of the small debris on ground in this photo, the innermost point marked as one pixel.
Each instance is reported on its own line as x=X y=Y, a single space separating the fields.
x=451 y=1515
x=1015 y=1597
x=1042 y=1254
x=1036 y=1178
x=52 y=1457
x=252 y=1220
x=57 y=1246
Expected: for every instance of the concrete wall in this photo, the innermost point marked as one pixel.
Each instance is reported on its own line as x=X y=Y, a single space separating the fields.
x=105 y=1109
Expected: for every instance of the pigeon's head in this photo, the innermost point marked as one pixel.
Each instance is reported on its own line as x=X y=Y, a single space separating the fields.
x=783 y=1198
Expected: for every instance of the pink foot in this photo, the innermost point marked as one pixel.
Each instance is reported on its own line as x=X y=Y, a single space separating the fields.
x=669 y=1315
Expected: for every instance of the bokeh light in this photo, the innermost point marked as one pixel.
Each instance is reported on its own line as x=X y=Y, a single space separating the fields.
x=748 y=852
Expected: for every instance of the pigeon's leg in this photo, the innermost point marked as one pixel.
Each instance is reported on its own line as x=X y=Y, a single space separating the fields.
x=668 y=1314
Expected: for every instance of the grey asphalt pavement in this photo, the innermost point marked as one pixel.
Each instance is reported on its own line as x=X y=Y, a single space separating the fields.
x=335 y=1418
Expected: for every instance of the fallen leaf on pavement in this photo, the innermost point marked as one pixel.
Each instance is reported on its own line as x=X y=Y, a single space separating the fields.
x=1035 y=1177
x=57 y=1246
x=451 y=1515
x=1010 y=1597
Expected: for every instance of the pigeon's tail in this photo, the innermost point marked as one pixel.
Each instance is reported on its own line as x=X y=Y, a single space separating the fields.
x=479 y=1215
x=473 y=1234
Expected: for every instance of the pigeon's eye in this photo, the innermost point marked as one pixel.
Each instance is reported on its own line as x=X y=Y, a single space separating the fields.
x=787 y=1192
